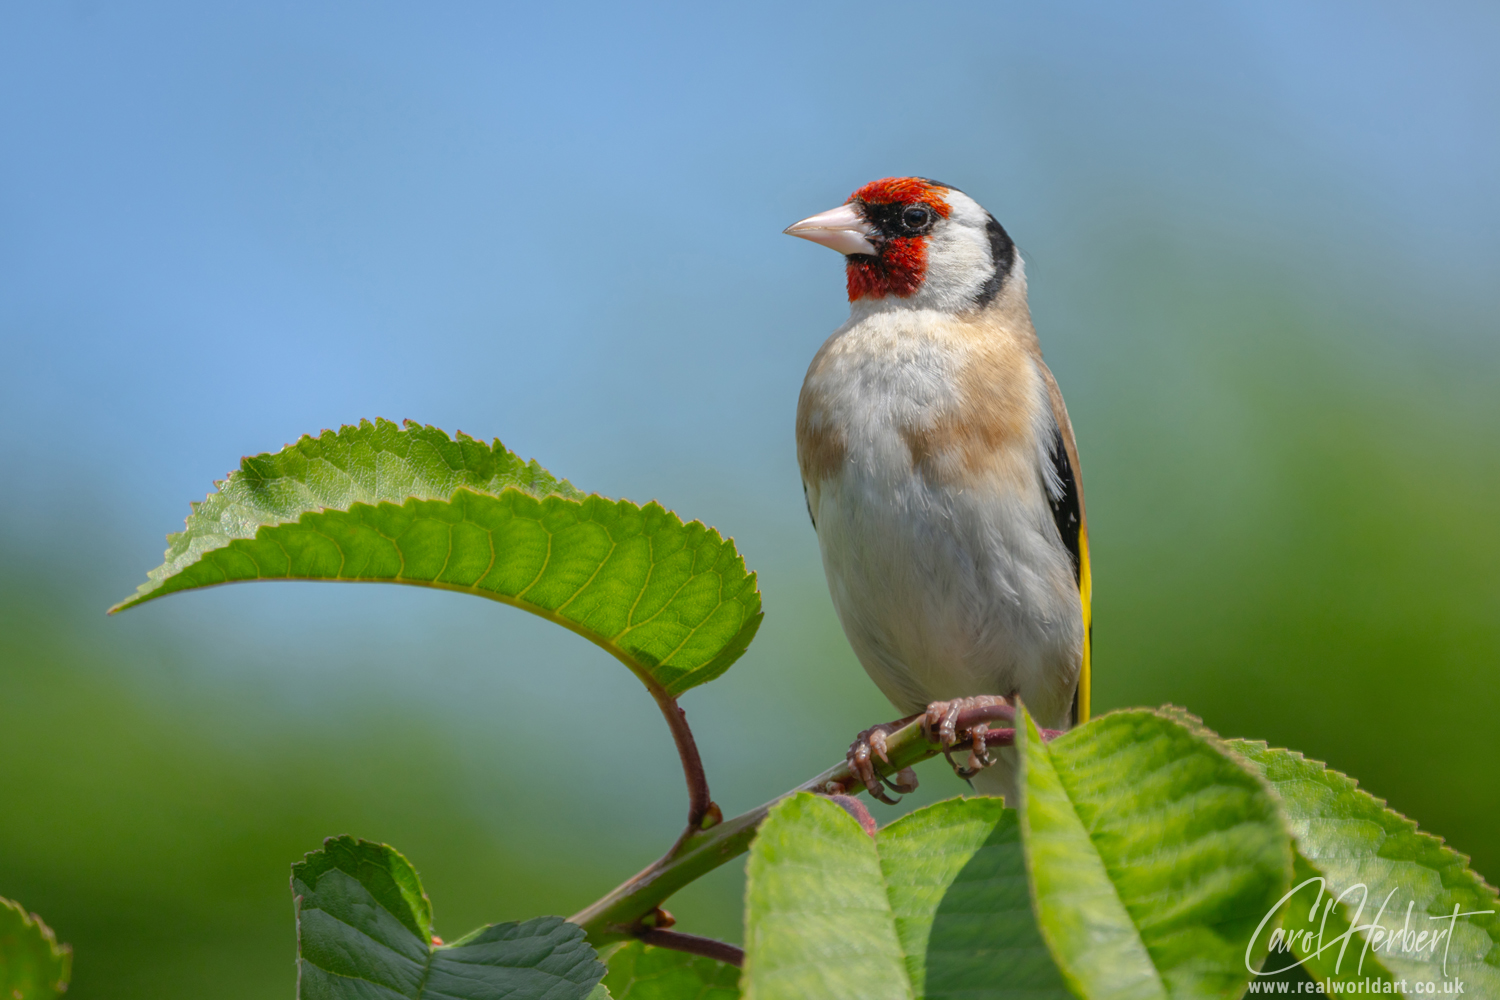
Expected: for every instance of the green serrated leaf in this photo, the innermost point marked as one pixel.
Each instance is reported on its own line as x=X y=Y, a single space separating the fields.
x=33 y=966
x=935 y=906
x=382 y=503
x=818 y=922
x=955 y=873
x=1371 y=856
x=364 y=931
x=640 y=972
x=1153 y=856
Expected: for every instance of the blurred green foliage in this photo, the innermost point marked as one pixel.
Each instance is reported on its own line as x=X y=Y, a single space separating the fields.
x=1293 y=501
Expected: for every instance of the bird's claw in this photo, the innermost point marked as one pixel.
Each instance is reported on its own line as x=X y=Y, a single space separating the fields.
x=940 y=725
x=872 y=743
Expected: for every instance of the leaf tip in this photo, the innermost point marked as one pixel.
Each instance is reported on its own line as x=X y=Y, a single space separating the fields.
x=144 y=593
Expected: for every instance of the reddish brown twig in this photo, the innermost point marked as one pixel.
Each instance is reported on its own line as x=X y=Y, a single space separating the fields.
x=721 y=951
x=988 y=713
x=1007 y=737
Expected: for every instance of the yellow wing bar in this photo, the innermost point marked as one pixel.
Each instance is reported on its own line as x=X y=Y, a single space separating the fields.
x=1086 y=592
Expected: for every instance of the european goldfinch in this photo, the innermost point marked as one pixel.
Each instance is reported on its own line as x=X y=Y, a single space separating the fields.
x=940 y=469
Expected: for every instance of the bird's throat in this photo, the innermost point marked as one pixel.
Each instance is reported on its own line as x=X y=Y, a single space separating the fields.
x=898 y=270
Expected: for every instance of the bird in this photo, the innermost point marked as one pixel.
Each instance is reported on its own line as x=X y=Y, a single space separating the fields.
x=942 y=477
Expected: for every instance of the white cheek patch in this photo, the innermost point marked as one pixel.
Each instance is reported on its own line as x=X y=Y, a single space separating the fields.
x=958 y=265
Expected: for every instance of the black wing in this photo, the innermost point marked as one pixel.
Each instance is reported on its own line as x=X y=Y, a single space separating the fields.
x=1067 y=514
x=1067 y=511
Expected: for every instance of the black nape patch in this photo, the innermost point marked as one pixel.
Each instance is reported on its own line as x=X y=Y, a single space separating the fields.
x=1003 y=255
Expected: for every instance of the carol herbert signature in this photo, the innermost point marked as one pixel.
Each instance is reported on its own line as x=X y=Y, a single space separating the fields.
x=1418 y=938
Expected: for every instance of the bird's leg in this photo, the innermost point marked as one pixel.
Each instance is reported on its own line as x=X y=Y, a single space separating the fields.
x=941 y=725
x=870 y=743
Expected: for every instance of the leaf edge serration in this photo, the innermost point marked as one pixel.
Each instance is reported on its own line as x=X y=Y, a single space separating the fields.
x=60 y=954
x=225 y=516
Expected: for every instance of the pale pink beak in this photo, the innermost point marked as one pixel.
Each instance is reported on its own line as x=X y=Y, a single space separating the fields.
x=842 y=229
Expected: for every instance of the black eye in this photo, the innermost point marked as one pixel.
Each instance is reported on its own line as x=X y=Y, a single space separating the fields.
x=915 y=217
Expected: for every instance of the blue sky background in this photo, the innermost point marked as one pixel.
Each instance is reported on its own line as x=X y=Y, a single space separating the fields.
x=1262 y=241
x=223 y=229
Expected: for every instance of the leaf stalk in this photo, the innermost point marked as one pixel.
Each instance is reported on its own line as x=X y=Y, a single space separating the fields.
x=700 y=802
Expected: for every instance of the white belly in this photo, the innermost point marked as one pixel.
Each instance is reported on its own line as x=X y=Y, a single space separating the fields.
x=944 y=590
x=945 y=595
